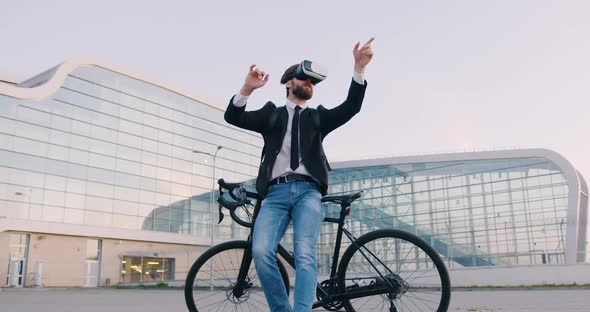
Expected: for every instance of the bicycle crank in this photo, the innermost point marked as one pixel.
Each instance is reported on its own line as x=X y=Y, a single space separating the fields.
x=327 y=302
x=391 y=285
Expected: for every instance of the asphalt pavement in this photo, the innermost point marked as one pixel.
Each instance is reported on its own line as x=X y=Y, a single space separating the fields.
x=168 y=300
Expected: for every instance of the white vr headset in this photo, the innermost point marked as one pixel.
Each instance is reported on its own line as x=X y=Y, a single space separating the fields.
x=309 y=70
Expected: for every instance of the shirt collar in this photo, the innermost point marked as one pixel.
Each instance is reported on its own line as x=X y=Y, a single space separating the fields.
x=292 y=105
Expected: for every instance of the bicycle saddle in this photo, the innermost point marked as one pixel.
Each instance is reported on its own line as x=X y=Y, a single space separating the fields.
x=344 y=200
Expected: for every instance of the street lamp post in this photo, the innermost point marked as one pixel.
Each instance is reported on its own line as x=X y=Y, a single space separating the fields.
x=211 y=200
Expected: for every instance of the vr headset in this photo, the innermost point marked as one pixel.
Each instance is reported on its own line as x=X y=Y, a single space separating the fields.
x=310 y=70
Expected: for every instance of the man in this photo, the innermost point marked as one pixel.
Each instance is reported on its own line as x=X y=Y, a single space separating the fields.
x=293 y=174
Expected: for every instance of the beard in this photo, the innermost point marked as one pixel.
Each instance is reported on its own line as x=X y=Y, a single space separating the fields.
x=302 y=93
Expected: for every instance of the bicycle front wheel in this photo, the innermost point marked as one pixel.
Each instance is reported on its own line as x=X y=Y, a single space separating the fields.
x=211 y=283
x=392 y=270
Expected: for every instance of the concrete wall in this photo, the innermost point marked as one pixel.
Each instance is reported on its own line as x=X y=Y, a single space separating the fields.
x=112 y=250
x=64 y=264
x=522 y=275
x=3 y=258
x=63 y=258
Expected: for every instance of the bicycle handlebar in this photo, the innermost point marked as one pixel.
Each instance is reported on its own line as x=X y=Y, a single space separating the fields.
x=240 y=195
x=231 y=187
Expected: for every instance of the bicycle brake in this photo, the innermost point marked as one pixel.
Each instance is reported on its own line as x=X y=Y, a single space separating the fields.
x=220 y=207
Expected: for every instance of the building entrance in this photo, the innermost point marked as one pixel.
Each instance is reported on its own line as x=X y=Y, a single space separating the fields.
x=16 y=266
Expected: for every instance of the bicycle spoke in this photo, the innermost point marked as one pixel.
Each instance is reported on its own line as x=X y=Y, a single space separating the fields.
x=404 y=272
x=214 y=280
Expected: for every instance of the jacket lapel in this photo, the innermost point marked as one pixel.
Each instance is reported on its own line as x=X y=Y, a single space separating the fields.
x=284 y=119
x=305 y=131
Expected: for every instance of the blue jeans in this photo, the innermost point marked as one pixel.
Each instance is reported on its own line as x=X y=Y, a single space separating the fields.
x=298 y=202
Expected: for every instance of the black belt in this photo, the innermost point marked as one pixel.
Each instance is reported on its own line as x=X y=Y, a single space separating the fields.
x=291 y=178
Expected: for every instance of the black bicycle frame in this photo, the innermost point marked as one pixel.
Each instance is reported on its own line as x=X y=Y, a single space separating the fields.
x=288 y=257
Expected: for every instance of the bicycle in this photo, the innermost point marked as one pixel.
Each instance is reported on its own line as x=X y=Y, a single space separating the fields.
x=382 y=270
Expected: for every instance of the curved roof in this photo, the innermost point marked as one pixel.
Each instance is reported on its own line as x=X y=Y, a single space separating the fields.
x=48 y=82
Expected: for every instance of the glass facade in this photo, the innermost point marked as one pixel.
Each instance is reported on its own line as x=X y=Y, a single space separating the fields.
x=110 y=150
x=473 y=212
x=113 y=151
x=584 y=255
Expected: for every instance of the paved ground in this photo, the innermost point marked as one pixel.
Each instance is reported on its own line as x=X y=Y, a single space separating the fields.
x=168 y=300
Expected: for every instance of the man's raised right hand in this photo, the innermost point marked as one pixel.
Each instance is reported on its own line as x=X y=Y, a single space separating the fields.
x=255 y=79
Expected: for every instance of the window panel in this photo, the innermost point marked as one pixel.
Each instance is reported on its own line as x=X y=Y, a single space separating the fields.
x=75 y=200
x=125 y=207
x=81 y=128
x=99 y=204
x=97 y=218
x=55 y=182
x=128 y=194
x=102 y=147
x=61 y=123
x=145 y=269
x=128 y=167
x=30 y=147
x=131 y=270
x=101 y=175
x=104 y=134
x=74 y=216
x=101 y=161
x=78 y=157
x=147 y=184
x=127 y=153
x=147 y=197
x=9 y=209
x=125 y=222
x=76 y=186
x=130 y=127
x=53 y=213
x=57 y=152
x=130 y=114
x=128 y=140
x=99 y=189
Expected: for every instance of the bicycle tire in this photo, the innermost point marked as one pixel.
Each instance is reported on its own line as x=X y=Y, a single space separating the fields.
x=421 y=282
x=201 y=297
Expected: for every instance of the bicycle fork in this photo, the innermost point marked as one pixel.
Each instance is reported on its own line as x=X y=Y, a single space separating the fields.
x=243 y=283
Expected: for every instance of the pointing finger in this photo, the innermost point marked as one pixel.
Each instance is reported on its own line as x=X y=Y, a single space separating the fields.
x=367 y=44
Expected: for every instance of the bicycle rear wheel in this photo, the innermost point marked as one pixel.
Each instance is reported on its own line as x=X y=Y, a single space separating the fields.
x=400 y=271
x=210 y=283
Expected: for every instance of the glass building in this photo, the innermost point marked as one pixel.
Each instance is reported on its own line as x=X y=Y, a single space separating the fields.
x=106 y=177
x=93 y=152
x=514 y=207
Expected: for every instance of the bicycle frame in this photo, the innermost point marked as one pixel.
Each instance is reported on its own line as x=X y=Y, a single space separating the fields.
x=330 y=293
x=360 y=271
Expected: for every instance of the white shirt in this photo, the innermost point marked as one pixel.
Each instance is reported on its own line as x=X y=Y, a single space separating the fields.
x=282 y=165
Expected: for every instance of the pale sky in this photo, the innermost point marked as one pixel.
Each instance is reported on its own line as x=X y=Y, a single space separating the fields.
x=447 y=76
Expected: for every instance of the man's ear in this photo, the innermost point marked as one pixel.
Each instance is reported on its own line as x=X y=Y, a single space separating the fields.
x=288 y=86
